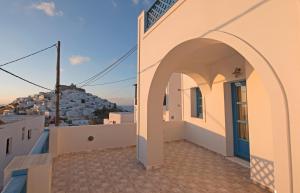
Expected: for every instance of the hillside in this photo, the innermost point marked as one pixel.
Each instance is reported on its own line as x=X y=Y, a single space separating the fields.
x=76 y=106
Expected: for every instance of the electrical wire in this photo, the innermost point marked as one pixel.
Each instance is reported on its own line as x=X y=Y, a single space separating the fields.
x=105 y=73
x=34 y=53
x=113 y=82
x=108 y=68
x=30 y=82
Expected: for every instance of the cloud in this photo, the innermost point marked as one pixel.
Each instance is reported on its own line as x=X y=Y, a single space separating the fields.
x=114 y=3
x=146 y=2
x=135 y=2
x=48 y=8
x=76 y=60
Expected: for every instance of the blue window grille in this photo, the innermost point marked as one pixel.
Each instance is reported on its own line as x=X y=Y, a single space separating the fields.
x=196 y=103
x=199 y=102
x=156 y=11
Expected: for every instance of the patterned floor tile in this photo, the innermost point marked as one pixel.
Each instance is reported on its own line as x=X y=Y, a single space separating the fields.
x=187 y=169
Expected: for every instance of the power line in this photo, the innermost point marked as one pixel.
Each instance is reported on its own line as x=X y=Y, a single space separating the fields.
x=30 y=82
x=108 y=68
x=106 y=72
x=34 y=53
x=113 y=82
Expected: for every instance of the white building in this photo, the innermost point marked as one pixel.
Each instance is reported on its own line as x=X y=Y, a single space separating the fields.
x=119 y=118
x=239 y=68
x=18 y=134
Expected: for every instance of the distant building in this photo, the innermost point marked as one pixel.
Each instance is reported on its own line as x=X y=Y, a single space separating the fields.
x=18 y=134
x=80 y=122
x=119 y=118
x=71 y=87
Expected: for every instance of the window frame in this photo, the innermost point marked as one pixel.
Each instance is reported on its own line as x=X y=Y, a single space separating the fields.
x=8 y=147
x=23 y=133
x=29 y=134
x=197 y=107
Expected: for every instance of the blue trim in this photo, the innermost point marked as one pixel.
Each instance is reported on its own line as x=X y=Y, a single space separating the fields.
x=21 y=172
x=42 y=144
x=156 y=11
x=17 y=183
x=241 y=147
x=199 y=106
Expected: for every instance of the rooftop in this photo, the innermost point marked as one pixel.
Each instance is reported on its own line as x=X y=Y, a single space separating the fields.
x=187 y=168
x=7 y=119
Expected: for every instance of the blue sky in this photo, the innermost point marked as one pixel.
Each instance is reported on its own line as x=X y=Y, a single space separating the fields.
x=93 y=34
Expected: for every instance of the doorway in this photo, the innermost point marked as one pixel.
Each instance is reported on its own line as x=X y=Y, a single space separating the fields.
x=240 y=120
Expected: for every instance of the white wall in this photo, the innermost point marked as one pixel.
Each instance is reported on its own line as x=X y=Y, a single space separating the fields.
x=260 y=131
x=119 y=118
x=172 y=111
x=19 y=146
x=75 y=138
x=266 y=33
x=215 y=130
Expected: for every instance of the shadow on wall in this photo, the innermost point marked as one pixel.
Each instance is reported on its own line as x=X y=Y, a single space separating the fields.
x=262 y=171
x=206 y=138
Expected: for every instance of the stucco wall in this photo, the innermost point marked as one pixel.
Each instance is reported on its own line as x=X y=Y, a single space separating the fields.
x=265 y=32
x=19 y=146
x=75 y=139
x=174 y=98
x=213 y=132
x=119 y=118
x=260 y=131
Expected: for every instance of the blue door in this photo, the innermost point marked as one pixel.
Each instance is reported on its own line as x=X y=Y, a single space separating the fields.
x=240 y=120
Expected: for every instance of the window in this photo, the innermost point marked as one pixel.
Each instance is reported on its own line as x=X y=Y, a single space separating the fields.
x=135 y=94
x=8 y=145
x=29 y=134
x=165 y=100
x=23 y=133
x=197 y=103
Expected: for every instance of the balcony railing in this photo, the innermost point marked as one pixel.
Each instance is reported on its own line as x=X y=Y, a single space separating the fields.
x=156 y=11
x=17 y=183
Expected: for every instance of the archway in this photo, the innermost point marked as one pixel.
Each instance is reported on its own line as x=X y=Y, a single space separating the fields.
x=196 y=56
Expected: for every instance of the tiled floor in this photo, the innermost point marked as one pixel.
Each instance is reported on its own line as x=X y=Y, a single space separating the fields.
x=187 y=168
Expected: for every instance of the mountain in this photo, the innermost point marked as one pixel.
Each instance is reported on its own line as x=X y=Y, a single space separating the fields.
x=127 y=108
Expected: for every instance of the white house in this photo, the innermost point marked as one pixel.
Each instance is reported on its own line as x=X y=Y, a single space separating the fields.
x=18 y=134
x=119 y=118
x=238 y=64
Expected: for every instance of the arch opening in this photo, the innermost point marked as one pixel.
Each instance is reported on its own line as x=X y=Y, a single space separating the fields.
x=217 y=67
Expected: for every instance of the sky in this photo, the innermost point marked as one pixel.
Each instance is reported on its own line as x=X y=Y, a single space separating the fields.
x=93 y=34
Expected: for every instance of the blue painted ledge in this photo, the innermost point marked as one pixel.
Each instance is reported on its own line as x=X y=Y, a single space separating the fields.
x=17 y=183
x=42 y=144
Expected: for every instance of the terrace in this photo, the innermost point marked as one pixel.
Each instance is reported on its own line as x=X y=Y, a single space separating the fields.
x=107 y=163
x=187 y=168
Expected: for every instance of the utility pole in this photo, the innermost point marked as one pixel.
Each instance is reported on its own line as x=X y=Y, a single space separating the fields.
x=57 y=87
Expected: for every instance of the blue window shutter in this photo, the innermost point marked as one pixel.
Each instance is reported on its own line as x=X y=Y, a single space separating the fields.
x=199 y=110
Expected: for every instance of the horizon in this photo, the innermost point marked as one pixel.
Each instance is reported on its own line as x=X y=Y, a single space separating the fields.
x=92 y=35
x=119 y=101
